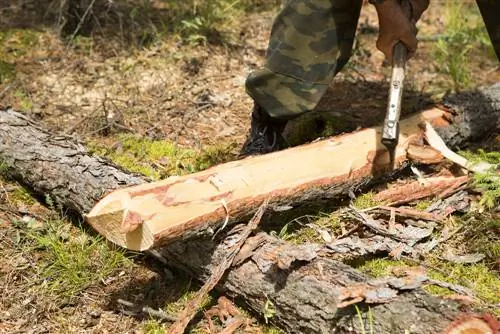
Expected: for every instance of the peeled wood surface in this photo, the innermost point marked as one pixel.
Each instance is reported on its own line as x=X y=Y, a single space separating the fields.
x=153 y=214
x=157 y=213
x=303 y=295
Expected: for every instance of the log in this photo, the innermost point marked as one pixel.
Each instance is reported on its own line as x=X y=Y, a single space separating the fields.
x=154 y=214
x=305 y=285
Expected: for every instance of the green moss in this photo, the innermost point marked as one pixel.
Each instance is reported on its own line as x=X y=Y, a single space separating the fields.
x=381 y=267
x=159 y=159
x=17 y=42
x=481 y=155
x=153 y=326
x=7 y=71
x=299 y=230
x=423 y=205
x=21 y=196
x=365 y=201
x=272 y=330
x=178 y=305
x=24 y=100
x=484 y=282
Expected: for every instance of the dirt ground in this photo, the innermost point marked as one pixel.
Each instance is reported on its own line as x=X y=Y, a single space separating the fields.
x=99 y=89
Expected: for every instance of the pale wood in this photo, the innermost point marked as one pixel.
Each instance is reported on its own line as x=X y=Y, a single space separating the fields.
x=154 y=214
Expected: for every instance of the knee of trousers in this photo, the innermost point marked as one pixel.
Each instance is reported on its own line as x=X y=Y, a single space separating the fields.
x=282 y=96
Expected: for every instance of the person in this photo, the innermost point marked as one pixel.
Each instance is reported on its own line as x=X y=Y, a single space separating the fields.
x=310 y=42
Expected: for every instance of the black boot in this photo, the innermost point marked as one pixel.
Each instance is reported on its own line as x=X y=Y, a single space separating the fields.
x=265 y=134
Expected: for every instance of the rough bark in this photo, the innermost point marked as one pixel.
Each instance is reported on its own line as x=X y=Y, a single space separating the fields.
x=306 y=285
x=307 y=296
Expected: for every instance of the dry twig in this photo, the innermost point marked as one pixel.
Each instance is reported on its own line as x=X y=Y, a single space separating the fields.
x=192 y=307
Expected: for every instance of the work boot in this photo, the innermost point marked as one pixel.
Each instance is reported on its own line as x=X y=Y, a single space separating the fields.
x=266 y=134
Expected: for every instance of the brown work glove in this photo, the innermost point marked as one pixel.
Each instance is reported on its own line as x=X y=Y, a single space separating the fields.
x=397 y=23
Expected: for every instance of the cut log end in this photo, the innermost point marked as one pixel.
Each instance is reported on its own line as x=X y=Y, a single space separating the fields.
x=112 y=218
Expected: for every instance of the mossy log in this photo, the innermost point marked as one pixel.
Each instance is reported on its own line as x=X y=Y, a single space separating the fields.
x=306 y=288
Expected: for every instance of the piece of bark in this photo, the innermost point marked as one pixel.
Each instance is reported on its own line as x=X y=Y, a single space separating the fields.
x=305 y=296
x=154 y=214
x=420 y=189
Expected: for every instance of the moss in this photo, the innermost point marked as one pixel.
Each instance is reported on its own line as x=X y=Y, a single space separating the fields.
x=17 y=42
x=178 y=305
x=24 y=100
x=21 y=196
x=7 y=71
x=272 y=330
x=159 y=159
x=484 y=282
x=423 y=205
x=300 y=231
x=365 y=201
x=153 y=326
x=381 y=267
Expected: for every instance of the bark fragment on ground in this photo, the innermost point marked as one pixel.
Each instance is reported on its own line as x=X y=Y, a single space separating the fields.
x=303 y=284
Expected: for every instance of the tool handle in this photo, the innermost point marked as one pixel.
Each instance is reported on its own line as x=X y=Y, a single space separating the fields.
x=390 y=132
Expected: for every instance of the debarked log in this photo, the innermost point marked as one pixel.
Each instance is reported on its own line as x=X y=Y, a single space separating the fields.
x=154 y=214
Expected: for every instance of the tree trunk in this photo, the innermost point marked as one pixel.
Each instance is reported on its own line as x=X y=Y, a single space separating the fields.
x=305 y=287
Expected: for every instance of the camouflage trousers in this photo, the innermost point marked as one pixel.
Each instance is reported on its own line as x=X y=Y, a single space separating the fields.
x=311 y=41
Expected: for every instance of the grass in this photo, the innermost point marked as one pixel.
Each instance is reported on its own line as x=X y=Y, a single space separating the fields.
x=489 y=182
x=465 y=31
x=69 y=260
x=159 y=159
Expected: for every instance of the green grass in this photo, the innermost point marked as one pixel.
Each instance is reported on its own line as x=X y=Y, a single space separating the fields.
x=69 y=260
x=465 y=32
x=159 y=159
x=489 y=182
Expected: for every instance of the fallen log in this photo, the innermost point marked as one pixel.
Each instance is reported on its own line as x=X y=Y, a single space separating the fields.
x=304 y=286
x=154 y=214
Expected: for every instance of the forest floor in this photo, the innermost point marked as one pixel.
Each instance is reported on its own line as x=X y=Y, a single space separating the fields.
x=164 y=96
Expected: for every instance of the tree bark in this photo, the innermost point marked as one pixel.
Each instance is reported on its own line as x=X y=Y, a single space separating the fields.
x=305 y=287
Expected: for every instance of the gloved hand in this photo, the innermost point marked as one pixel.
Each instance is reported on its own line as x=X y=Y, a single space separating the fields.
x=397 y=23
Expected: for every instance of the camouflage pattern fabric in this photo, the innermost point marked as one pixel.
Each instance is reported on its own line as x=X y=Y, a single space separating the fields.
x=490 y=11
x=311 y=40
